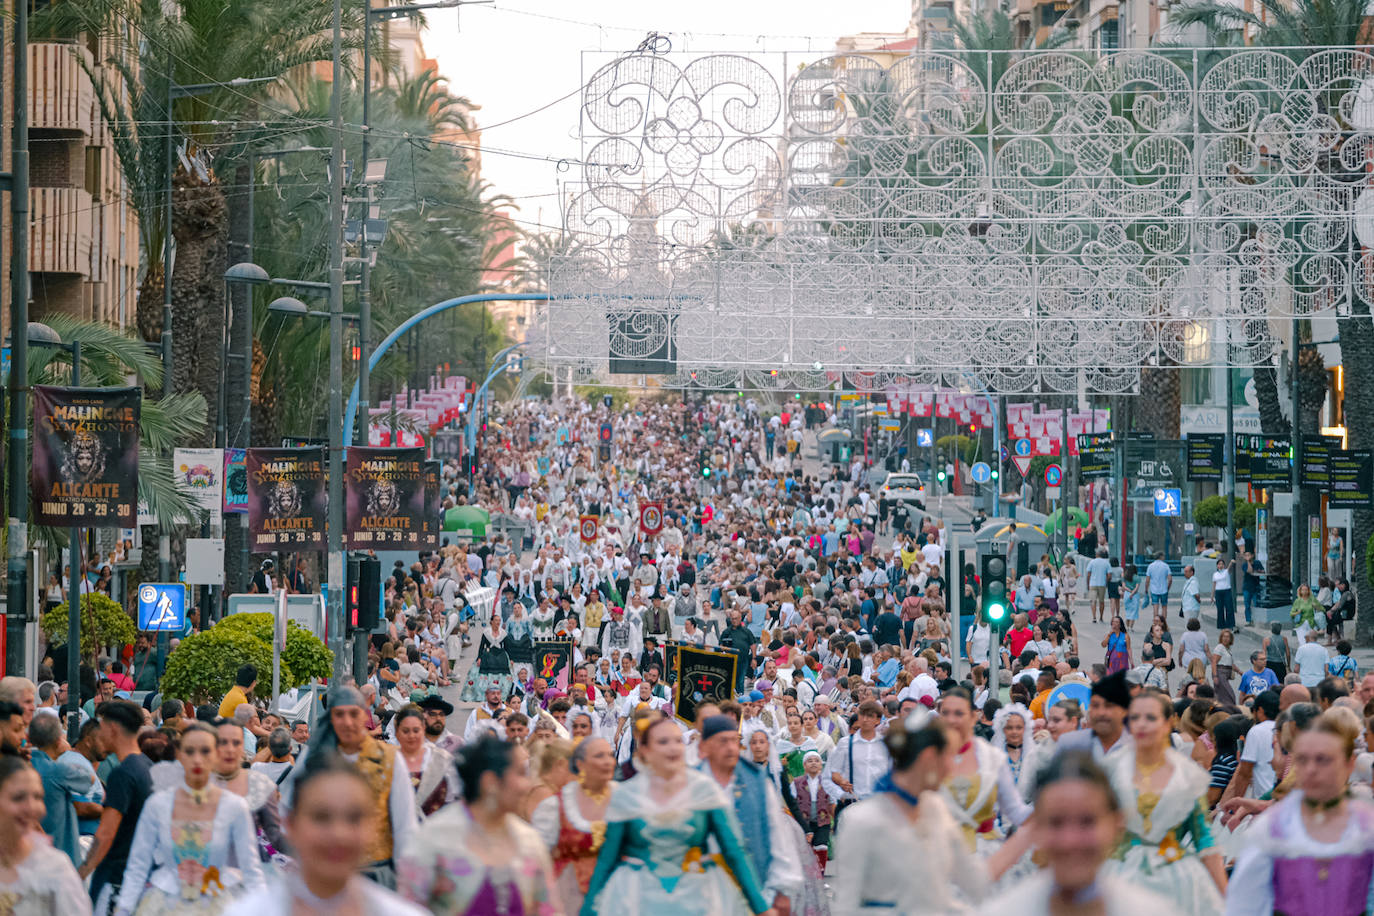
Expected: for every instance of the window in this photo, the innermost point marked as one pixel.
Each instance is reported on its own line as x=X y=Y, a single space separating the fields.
x=92 y=184
x=1107 y=38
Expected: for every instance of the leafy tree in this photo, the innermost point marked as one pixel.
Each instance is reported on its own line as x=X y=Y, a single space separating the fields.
x=304 y=652
x=202 y=668
x=103 y=623
x=1211 y=513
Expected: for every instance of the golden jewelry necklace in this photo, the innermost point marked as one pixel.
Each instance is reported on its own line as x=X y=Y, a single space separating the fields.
x=199 y=796
x=595 y=797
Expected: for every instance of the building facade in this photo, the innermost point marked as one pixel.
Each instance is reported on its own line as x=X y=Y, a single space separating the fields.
x=83 y=234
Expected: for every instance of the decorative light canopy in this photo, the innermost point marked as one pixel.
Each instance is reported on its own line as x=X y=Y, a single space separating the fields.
x=1051 y=221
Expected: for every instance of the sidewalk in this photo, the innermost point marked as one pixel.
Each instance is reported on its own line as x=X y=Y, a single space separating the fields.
x=1250 y=638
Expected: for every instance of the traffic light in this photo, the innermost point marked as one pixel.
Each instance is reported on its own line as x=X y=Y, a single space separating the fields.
x=704 y=463
x=996 y=609
x=940 y=475
x=351 y=591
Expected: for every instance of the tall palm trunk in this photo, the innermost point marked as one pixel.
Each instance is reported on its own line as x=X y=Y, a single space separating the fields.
x=1274 y=425
x=199 y=222
x=1357 y=356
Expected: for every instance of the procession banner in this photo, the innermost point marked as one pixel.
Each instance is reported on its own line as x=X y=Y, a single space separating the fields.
x=651 y=518
x=85 y=457
x=703 y=676
x=200 y=471
x=433 y=507
x=235 y=480
x=384 y=498
x=287 y=498
x=670 y=661
x=586 y=528
x=553 y=662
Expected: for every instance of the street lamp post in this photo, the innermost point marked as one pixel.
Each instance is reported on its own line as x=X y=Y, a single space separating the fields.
x=40 y=335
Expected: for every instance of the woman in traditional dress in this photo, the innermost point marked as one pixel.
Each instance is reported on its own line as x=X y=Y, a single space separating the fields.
x=900 y=851
x=1168 y=846
x=1011 y=729
x=493 y=668
x=257 y=788
x=1311 y=854
x=572 y=823
x=477 y=857
x=656 y=857
x=542 y=620
x=331 y=827
x=1075 y=828
x=520 y=643
x=36 y=879
x=430 y=767
x=980 y=787
x=187 y=836
x=792 y=747
x=812 y=731
x=551 y=763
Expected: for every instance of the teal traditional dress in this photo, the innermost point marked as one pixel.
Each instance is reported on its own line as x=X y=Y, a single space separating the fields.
x=1166 y=835
x=656 y=858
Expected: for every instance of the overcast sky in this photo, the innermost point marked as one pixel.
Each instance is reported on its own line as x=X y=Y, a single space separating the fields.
x=514 y=56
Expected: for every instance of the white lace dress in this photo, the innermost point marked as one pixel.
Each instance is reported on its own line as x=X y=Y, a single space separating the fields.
x=46 y=884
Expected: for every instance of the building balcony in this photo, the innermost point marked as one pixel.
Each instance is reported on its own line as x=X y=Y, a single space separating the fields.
x=60 y=231
x=61 y=96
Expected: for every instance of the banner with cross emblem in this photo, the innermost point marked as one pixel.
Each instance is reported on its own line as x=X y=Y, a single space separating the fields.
x=703 y=676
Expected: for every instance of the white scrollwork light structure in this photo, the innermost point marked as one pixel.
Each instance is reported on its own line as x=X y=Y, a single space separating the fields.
x=1050 y=220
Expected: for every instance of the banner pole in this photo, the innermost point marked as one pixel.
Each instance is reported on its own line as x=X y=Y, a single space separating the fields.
x=74 y=607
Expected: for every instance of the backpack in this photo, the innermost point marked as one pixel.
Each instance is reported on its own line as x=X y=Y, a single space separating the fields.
x=1348 y=606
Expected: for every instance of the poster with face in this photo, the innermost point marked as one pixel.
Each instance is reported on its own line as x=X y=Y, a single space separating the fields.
x=433 y=508
x=384 y=498
x=235 y=480
x=85 y=457
x=287 y=498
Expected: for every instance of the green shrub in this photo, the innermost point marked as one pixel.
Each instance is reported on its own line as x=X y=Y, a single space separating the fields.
x=306 y=655
x=103 y=623
x=1369 y=559
x=1211 y=513
x=202 y=668
x=966 y=448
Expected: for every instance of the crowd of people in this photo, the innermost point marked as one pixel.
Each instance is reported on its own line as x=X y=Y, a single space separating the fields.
x=861 y=762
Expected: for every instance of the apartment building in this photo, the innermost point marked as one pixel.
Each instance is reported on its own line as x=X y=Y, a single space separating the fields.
x=83 y=234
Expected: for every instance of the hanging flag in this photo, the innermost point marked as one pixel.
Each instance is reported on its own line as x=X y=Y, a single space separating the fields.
x=586 y=527
x=651 y=518
x=703 y=676
x=84 y=470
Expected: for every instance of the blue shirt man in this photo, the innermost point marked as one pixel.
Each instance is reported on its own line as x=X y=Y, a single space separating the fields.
x=60 y=784
x=1257 y=679
x=1160 y=578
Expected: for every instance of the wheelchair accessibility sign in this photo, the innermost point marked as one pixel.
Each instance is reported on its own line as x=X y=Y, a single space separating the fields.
x=162 y=607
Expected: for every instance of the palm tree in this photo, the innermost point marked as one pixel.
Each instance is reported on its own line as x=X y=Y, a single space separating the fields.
x=192 y=42
x=108 y=358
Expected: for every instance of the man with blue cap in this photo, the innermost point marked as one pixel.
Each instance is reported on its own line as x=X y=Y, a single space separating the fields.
x=344 y=731
x=758 y=805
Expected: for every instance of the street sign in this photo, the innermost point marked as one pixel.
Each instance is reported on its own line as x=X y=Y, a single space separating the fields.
x=162 y=606
x=1205 y=453
x=1024 y=447
x=1168 y=502
x=980 y=472
x=891 y=426
x=1095 y=455
x=1002 y=451
x=1052 y=492
x=925 y=438
x=1022 y=462
x=1053 y=474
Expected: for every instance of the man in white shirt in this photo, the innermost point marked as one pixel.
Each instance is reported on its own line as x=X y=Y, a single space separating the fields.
x=1255 y=774
x=1192 y=602
x=1310 y=660
x=1097 y=571
x=858 y=760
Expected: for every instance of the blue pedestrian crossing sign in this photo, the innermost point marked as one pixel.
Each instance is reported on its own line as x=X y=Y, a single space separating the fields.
x=980 y=472
x=1023 y=448
x=162 y=606
x=1168 y=502
x=925 y=438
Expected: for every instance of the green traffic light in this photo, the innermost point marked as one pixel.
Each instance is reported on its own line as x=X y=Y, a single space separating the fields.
x=994 y=473
x=705 y=472
x=940 y=476
x=996 y=612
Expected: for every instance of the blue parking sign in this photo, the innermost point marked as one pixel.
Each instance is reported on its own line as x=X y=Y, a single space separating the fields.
x=162 y=606
x=1168 y=502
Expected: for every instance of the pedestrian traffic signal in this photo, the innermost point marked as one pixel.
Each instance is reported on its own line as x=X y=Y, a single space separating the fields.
x=362 y=592
x=351 y=591
x=996 y=610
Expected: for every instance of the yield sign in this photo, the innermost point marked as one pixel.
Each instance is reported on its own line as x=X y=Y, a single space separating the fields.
x=1022 y=462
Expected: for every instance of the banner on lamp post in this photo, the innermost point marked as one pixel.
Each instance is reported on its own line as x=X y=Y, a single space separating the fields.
x=85 y=457
x=287 y=498
x=384 y=498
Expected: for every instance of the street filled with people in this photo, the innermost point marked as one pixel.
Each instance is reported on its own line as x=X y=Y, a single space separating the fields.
x=875 y=744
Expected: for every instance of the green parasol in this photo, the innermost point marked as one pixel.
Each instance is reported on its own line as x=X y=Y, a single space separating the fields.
x=1076 y=517
x=469 y=520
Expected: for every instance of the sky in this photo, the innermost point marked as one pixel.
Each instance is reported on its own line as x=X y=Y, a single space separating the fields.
x=515 y=56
